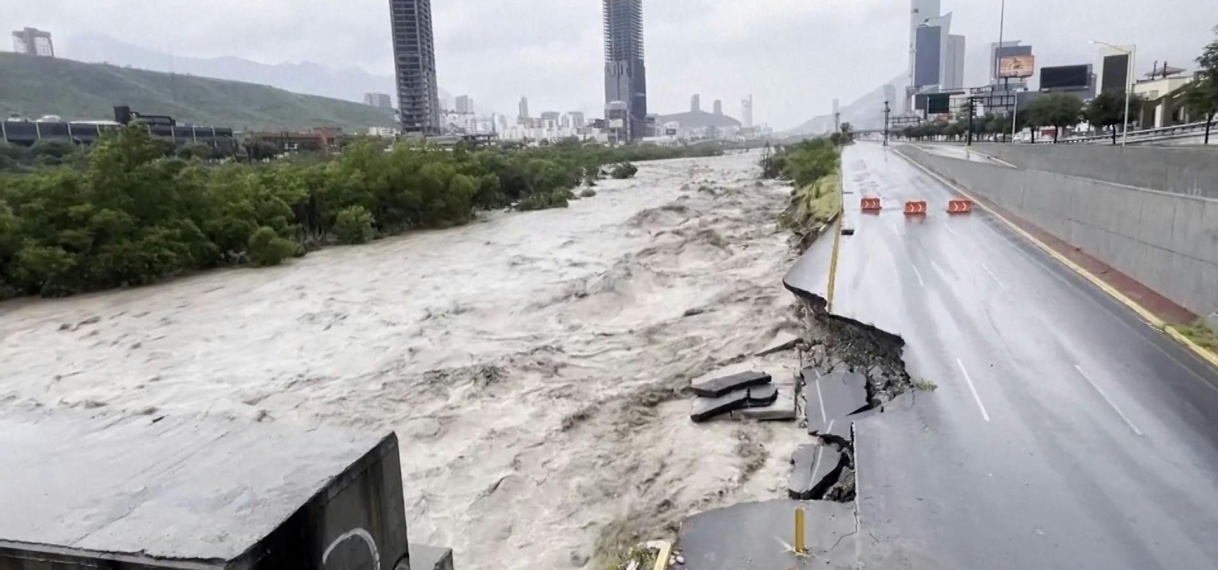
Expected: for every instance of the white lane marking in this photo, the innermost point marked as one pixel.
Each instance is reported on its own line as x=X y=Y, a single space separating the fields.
x=820 y=451
x=995 y=277
x=973 y=389
x=919 y=274
x=893 y=227
x=820 y=399
x=950 y=230
x=1135 y=429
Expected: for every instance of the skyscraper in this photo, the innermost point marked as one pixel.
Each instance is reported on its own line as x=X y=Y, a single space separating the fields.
x=625 y=74
x=695 y=103
x=32 y=41
x=465 y=105
x=718 y=107
x=381 y=100
x=746 y=112
x=953 y=64
x=414 y=60
x=522 y=114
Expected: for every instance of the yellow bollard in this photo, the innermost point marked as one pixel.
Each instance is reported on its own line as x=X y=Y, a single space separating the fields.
x=800 y=548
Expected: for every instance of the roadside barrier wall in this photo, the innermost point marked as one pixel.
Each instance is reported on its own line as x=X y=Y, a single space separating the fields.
x=1190 y=171
x=1168 y=242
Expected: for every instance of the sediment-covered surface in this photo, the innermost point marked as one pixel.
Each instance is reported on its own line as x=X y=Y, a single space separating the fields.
x=531 y=364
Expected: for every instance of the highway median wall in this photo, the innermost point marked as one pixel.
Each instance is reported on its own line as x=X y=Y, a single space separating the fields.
x=1166 y=241
x=1187 y=171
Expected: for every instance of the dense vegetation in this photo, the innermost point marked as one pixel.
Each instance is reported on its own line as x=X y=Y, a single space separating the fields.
x=814 y=166
x=36 y=86
x=127 y=213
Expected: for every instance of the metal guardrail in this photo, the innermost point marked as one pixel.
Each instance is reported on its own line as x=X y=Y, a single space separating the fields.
x=1144 y=135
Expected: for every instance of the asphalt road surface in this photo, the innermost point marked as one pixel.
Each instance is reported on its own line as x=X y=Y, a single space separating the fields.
x=1064 y=433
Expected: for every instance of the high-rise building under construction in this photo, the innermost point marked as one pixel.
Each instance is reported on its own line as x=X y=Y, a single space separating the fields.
x=625 y=74
x=414 y=60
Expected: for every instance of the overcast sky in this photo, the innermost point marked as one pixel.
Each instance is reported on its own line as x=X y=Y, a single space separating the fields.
x=794 y=56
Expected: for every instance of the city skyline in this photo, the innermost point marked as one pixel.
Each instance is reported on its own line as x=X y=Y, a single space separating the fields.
x=553 y=49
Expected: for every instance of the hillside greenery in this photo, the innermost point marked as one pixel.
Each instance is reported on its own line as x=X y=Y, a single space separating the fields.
x=814 y=167
x=37 y=86
x=130 y=211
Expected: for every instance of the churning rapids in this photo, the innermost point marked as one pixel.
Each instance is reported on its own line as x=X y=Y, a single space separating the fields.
x=531 y=363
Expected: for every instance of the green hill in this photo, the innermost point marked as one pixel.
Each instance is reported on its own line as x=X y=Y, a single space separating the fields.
x=37 y=86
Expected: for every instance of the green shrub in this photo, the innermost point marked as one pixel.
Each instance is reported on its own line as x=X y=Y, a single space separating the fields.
x=556 y=199
x=267 y=248
x=354 y=225
x=623 y=170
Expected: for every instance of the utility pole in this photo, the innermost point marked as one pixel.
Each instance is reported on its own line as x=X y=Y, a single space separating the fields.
x=970 y=121
x=886 y=112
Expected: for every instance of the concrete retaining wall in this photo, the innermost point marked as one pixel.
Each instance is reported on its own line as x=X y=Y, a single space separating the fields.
x=1179 y=170
x=1168 y=242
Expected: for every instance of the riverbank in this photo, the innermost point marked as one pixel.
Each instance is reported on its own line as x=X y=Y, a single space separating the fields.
x=531 y=363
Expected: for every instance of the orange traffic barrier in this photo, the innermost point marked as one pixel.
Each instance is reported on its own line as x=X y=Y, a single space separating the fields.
x=959 y=206
x=870 y=204
x=915 y=207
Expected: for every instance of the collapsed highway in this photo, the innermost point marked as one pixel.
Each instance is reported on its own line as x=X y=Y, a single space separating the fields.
x=1062 y=430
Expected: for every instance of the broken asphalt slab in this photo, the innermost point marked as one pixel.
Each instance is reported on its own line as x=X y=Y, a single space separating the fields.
x=782 y=341
x=814 y=470
x=781 y=409
x=722 y=385
x=756 y=396
x=831 y=398
x=762 y=535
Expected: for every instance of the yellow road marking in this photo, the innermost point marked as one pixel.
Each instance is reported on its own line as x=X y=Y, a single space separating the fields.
x=837 y=240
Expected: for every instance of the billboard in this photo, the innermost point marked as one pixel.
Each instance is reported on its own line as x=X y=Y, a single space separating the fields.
x=1065 y=77
x=939 y=104
x=617 y=123
x=1115 y=73
x=1017 y=66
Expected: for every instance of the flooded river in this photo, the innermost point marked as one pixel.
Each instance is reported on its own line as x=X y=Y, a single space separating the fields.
x=530 y=363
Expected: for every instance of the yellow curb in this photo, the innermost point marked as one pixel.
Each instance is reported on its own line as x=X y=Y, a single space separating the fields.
x=1141 y=311
x=665 y=552
x=1201 y=351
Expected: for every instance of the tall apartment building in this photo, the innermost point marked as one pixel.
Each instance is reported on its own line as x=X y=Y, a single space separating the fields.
x=577 y=119
x=382 y=100
x=465 y=105
x=695 y=103
x=625 y=74
x=746 y=112
x=522 y=114
x=32 y=41
x=414 y=59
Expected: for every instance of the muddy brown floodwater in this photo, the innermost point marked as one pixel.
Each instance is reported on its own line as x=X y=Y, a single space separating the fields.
x=531 y=363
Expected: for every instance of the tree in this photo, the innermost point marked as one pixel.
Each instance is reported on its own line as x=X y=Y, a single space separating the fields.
x=1057 y=110
x=1107 y=110
x=1201 y=100
x=1202 y=96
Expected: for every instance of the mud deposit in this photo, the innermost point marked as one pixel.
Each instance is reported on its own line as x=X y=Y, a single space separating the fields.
x=530 y=363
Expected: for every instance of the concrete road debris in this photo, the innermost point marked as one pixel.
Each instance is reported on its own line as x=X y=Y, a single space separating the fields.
x=782 y=341
x=720 y=386
x=832 y=397
x=781 y=409
x=755 y=396
x=423 y=557
x=815 y=468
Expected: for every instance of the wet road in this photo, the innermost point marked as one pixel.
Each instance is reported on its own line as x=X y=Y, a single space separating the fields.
x=1064 y=433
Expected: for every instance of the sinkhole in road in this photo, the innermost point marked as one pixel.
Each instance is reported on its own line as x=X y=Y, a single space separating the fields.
x=839 y=345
